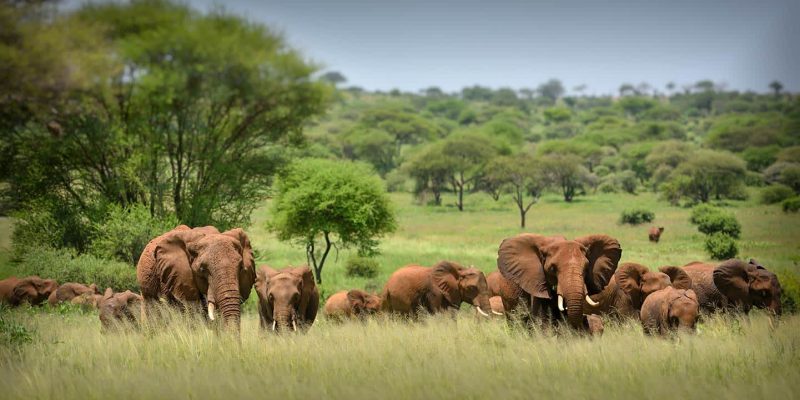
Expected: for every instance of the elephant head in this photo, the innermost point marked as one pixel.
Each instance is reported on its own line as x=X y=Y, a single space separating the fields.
x=680 y=310
x=678 y=278
x=548 y=267
x=638 y=282
x=284 y=295
x=118 y=308
x=748 y=284
x=33 y=290
x=363 y=303
x=222 y=267
x=457 y=284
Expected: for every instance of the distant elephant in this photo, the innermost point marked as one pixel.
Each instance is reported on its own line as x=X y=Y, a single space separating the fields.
x=70 y=290
x=287 y=298
x=735 y=284
x=33 y=290
x=630 y=286
x=552 y=271
x=116 y=309
x=199 y=268
x=655 y=233
x=436 y=289
x=670 y=309
x=351 y=304
x=509 y=292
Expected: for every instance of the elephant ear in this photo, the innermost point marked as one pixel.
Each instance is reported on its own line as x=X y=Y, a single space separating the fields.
x=176 y=251
x=263 y=275
x=444 y=278
x=309 y=288
x=247 y=275
x=520 y=259
x=679 y=278
x=733 y=278
x=629 y=278
x=108 y=294
x=357 y=299
x=604 y=253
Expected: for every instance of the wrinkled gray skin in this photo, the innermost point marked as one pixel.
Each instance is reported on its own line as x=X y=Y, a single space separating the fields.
x=735 y=284
x=32 y=290
x=669 y=310
x=118 y=309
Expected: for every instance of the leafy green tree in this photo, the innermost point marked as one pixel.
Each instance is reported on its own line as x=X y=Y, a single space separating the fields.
x=467 y=154
x=776 y=87
x=758 y=158
x=566 y=173
x=736 y=132
x=477 y=93
x=373 y=146
x=521 y=176
x=589 y=153
x=665 y=157
x=321 y=203
x=557 y=114
x=635 y=105
x=711 y=174
x=431 y=171
x=551 y=90
x=334 y=77
x=403 y=124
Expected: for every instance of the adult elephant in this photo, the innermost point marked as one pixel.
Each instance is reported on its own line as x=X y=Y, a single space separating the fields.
x=287 y=298
x=197 y=268
x=436 y=289
x=67 y=292
x=670 y=309
x=351 y=304
x=556 y=270
x=33 y=290
x=630 y=286
x=735 y=284
x=508 y=292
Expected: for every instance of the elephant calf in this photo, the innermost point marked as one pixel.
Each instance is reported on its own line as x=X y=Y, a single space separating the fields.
x=75 y=293
x=351 y=304
x=117 y=309
x=287 y=298
x=670 y=309
x=33 y=290
x=655 y=234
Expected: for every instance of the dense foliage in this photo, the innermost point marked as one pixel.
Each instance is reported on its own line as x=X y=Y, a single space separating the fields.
x=636 y=216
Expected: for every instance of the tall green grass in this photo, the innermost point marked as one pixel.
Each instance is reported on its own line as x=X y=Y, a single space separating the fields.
x=439 y=358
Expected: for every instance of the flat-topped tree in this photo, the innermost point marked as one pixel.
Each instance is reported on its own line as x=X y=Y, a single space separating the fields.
x=322 y=203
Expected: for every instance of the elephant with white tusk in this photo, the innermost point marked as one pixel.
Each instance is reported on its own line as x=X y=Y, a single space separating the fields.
x=288 y=299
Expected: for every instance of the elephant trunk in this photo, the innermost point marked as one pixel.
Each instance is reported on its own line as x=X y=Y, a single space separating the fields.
x=571 y=295
x=284 y=319
x=482 y=303
x=228 y=301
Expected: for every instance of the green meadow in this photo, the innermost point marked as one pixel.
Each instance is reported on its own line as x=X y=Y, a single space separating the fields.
x=68 y=356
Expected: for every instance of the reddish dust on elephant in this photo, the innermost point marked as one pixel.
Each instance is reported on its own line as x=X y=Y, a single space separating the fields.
x=32 y=290
x=76 y=293
x=288 y=299
x=349 y=304
x=654 y=234
x=668 y=310
x=735 y=284
x=118 y=310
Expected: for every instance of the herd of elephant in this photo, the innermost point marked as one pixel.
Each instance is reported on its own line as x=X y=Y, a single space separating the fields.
x=542 y=280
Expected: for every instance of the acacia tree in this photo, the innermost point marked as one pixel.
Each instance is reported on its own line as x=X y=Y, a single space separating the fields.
x=710 y=174
x=325 y=203
x=520 y=176
x=430 y=171
x=566 y=173
x=467 y=154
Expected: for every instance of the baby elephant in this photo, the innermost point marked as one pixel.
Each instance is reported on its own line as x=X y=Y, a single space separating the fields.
x=75 y=293
x=119 y=308
x=655 y=233
x=670 y=309
x=351 y=304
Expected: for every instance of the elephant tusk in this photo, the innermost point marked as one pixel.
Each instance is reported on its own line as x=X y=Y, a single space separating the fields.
x=274 y=323
x=561 y=303
x=591 y=302
x=211 y=311
x=496 y=313
x=294 y=326
x=481 y=311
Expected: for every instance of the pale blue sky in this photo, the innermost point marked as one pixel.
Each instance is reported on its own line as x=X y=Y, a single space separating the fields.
x=601 y=43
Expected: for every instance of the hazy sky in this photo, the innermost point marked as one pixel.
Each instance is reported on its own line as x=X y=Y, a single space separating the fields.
x=601 y=43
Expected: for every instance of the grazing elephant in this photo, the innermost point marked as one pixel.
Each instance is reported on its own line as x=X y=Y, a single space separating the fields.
x=287 y=298
x=509 y=292
x=351 y=304
x=670 y=309
x=553 y=271
x=33 y=290
x=735 y=284
x=630 y=286
x=436 y=289
x=199 y=268
x=67 y=292
x=655 y=233
x=118 y=308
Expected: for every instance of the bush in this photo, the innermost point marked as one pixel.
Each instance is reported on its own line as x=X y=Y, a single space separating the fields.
x=126 y=231
x=721 y=246
x=51 y=224
x=636 y=217
x=722 y=222
x=791 y=205
x=64 y=265
x=701 y=211
x=361 y=267
x=790 y=291
x=776 y=193
x=12 y=333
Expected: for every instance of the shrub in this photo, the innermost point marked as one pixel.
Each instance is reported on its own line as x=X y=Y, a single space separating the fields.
x=791 y=205
x=64 y=265
x=775 y=194
x=702 y=211
x=722 y=222
x=721 y=246
x=363 y=267
x=13 y=333
x=790 y=291
x=636 y=216
x=125 y=231
x=51 y=224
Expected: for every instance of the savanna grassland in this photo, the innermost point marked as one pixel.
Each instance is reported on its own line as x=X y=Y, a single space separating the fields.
x=744 y=357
